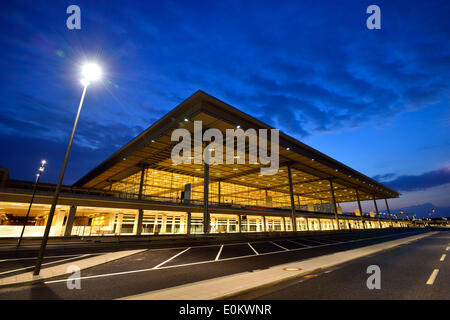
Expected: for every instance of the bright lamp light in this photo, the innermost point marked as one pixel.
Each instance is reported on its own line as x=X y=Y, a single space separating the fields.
x=91 y=72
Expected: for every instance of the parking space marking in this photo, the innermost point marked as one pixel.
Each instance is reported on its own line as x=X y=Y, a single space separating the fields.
x=443 y=257
x=318 y=242
x=256 y=252
x=170 y=259
x=279 y=246
x=300 y=243
x=204 y=262
x=432 y=277
x=218 y=254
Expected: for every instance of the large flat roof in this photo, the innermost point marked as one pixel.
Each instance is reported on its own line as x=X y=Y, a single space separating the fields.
x=310 y=167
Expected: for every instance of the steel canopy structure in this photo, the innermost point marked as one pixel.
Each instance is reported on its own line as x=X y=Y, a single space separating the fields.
x=152 y=149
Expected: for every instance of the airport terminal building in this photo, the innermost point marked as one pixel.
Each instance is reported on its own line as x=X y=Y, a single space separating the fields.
x=139 y=190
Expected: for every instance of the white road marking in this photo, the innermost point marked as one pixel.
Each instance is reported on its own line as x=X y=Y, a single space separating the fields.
x=443 y=257
x=319 y=242
x=432 y=277
x=302 y=244
x=218 y=253
x=164 y=262
x=52 y=262
x=200 y=262
x=256 y=252
x=279 y=246
x=448 y=248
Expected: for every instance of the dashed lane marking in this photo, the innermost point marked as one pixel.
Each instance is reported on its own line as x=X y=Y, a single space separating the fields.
x=432 y=277
x=443 y=257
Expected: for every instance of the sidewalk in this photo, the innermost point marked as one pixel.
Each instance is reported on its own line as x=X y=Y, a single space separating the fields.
x=61 y=269
x=229 y=286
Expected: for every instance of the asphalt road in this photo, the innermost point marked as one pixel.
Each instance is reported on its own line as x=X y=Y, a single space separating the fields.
x=160 y=268
x=407 y=272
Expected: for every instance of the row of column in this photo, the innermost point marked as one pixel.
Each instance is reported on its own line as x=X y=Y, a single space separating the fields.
x=206 y=217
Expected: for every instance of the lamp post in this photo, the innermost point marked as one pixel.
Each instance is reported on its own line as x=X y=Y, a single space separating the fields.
x=38 y=176
x=90 y=72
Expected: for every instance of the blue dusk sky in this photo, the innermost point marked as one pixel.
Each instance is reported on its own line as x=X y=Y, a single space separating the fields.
x=376 y=100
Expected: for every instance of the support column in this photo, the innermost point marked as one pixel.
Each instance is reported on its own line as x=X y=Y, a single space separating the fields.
x=240 y=223
x=70 y=220
x=291 y=191
x=188 y=223
x=264 y=223
x=119 y=223
x=376 y=210
x=219 y=192
x=59 y=220
x=360 y=209
x=140 y=217
x=206 y=193
x=284 y=224
x=334 y=204
x=389 y=212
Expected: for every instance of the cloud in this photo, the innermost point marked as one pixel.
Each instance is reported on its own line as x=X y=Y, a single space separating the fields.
x=420 y=182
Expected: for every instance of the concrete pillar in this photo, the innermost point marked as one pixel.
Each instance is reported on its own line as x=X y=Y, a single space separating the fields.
x=119 y=223
x=59 y=220
x=136 y=222
x=284 y=224
x=333 y=199
x=360 y=208
x=240 y=223
x=291 y=192
x=70 y=220
x=188 y=223
x=219 y=191
x=264 y=224
x=163 y=224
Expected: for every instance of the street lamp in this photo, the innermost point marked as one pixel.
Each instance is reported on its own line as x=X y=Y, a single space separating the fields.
x=90 y=72
x=38 y=176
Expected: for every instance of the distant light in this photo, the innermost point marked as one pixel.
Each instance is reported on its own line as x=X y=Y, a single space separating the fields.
x=288 y=148
x=44 y=162
x=90 y=72
x=238 y=126
x=186 y=120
